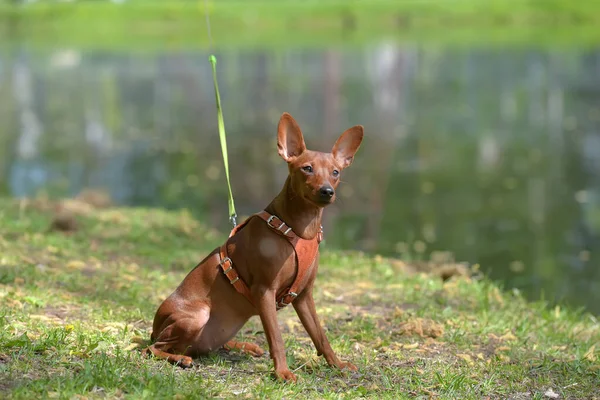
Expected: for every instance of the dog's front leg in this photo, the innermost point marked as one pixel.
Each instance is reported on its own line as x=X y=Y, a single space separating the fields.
x=268 y=317
x=306 y=310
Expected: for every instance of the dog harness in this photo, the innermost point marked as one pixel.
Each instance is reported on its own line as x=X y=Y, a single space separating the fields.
x=306 y=252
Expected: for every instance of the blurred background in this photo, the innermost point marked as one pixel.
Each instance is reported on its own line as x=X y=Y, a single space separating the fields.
x=482 y=119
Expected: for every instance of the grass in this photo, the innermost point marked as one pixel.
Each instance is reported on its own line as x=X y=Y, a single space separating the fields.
x=76 y=308
x=179 y=24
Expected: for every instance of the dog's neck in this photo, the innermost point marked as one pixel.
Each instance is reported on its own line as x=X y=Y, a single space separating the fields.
x=303 y=217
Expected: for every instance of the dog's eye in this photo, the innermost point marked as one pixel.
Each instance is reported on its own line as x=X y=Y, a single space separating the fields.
x=336 y=172
x=307 y=168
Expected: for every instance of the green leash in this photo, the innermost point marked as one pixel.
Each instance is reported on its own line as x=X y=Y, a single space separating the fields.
x=223 y=137
x=221 y=124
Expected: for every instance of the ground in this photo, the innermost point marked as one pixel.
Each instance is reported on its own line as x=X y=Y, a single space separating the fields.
x=180 y=24
x=77 y=306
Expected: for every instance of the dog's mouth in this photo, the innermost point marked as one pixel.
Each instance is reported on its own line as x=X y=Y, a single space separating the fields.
x=320 y=201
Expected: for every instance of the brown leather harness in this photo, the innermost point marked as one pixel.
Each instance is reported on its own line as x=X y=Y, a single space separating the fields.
x=306 y=252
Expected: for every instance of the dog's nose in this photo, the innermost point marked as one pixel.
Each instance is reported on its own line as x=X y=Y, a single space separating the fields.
x=326 y=192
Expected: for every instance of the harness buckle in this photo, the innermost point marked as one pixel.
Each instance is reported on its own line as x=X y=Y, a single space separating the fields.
x=271 y=218
x=281 y=227
x=226 y=271
x=223 y=261
x=281 y=303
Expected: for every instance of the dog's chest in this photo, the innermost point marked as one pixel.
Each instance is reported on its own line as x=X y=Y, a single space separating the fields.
x=287 y=262
x=269 y=247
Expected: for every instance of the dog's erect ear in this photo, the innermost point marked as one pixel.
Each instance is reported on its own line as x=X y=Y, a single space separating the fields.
x=290 y=142
x=346 y=146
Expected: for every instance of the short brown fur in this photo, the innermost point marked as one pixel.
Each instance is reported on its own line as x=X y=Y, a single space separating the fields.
x=205 y=311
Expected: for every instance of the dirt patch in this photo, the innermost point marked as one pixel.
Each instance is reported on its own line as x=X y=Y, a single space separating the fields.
x=4 y=385
x=60 y=314
x=422 y=327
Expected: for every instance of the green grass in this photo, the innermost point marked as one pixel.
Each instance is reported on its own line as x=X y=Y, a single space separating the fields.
x=75 y=308
x=151 y=25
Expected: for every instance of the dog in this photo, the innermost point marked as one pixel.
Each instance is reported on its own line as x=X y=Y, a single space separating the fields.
x=268 y=262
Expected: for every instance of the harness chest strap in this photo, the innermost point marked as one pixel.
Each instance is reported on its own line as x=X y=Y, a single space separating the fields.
x=306 y=252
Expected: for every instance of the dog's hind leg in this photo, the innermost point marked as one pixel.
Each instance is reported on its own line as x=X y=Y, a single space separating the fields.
x=177 y=359
x=179 y=338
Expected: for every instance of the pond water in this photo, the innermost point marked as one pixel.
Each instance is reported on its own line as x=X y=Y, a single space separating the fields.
x=490 y=154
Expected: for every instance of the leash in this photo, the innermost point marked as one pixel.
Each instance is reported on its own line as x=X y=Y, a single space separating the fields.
x=222 y=136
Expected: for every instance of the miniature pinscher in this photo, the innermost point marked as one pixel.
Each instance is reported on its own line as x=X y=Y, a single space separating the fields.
x=269 y=261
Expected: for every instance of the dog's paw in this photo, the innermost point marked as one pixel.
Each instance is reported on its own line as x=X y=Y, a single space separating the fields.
x=245 y=347
x=286 y=375
x=255 y=351
x=251 y=348
x=185 y=362
x=347 y=365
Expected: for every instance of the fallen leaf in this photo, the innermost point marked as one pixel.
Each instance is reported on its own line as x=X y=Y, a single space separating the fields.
x=422 y=327
x=495 y=295
x=551 y=394
x=590 y=354
x=139 y=340
x=430 y=393
x=365 y=285
x=377 y=343
x=352 y=293
x=508 y=336
x=466 y=358
x=395 y=286
x=40 y=317
x=133 y=267
x=28 y=260
x=14 y=303
x=291 y=324
x=129 y=277
x=504 y=358
x=373 y=296
x=132 y=346
x=75 y=264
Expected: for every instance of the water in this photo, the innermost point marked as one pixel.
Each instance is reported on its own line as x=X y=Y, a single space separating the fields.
x=493 y=155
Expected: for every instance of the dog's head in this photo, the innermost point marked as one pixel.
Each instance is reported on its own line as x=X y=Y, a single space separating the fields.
x=315 y=175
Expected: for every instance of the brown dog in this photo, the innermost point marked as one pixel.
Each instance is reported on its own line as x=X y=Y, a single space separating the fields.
x=268 y=262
